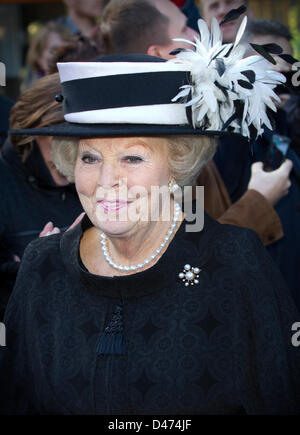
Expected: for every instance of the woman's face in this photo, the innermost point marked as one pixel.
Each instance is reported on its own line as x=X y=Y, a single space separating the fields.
x=116 y=180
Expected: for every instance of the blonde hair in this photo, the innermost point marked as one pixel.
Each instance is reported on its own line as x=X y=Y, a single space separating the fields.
x=187 y=156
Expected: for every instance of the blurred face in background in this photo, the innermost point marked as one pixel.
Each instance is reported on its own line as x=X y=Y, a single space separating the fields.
x=86 y=8
x=44 y=144
x=177 y=28
x=219 y=9
x=54 y=41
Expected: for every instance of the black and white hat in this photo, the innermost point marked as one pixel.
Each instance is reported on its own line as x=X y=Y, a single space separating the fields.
x=120 y=95
x=211 y=89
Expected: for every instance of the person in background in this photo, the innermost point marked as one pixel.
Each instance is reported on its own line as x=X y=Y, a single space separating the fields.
x=82 y=16
x=156 y=21
x=5 y=105
x=149 y=26
x=262 y=31
x=50 y=37
x=35 y=196
x=190 y=9
x=274 y=147
x=219 y=9
x=80 y=49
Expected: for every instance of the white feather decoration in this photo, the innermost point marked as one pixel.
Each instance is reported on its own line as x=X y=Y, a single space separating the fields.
x=222 y=79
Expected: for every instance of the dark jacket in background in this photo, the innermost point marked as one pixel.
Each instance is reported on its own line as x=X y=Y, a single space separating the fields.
x=292 y=109
x=234 y=161
x=192 y=12
x=5 y=106
x=29 y=199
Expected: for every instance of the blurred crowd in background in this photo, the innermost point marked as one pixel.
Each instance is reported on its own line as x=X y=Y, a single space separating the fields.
x=36 y=200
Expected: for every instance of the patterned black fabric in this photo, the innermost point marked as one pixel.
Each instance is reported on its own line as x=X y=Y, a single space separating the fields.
x=222 y=346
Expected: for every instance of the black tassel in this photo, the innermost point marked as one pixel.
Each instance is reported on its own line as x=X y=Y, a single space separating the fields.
x=112 y=341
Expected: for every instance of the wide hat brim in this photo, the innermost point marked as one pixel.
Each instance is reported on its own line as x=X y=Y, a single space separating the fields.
x=68 y=129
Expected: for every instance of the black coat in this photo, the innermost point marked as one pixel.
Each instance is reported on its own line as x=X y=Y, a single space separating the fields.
x=5 y=106
x=145 y=343
x=29 y=199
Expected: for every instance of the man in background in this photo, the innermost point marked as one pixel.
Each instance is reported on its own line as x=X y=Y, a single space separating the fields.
x=219 y=9
x=274 y=147
x=144 y=26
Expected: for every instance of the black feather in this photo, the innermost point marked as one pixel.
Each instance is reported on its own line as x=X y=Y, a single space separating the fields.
x=188 y=110
x=260 y=49
x=216 y=55
x=229 y=121
x=222 y=88
x=251 y=76
x=273 y=48
x=177 y=51
x=236 y=115
x=220 y=64
x=234 y=14
x=288 y=58
x=245 y=84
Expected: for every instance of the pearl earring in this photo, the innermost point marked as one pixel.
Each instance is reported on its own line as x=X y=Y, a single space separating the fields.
x=172 y=186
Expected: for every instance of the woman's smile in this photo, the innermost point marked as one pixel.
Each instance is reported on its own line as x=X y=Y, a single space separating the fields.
x=113 y=205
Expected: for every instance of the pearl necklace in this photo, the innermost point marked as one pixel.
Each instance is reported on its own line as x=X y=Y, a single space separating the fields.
x=176 y=217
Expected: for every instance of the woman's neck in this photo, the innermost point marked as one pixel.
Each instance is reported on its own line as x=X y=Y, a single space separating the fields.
x=128 y=250
x=137 y=248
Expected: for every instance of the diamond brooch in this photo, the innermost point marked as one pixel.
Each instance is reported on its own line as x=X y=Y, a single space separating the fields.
x=190 y=275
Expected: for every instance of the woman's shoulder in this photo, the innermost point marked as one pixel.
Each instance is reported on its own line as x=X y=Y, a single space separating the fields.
x=41 y=269
x=52 y=254
x=217 y=234
x=43 y=251
x=229 y=248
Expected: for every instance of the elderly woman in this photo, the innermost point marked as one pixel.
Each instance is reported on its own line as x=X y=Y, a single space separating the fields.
x=132 y=311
